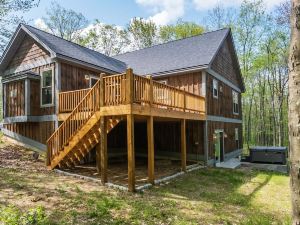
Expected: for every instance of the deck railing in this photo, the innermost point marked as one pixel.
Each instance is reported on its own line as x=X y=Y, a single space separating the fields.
x=148 y=91
x=69 y=100
x=117 y=91
x=114 y=89
x=78 y=117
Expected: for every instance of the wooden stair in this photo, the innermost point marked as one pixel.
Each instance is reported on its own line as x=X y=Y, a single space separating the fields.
x=80 y=132
x=82 y=142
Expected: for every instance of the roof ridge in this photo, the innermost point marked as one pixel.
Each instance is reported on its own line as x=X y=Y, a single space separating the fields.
x=26 y=25
x=225 y=28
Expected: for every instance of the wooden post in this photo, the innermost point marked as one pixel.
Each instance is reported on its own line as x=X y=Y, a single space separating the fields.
x=150 y=135
x=98 y=158
x=129 y=89
x=130 y=152
x=184 y=101
x=183 y=144
x=150 y=90
x=102 y=90
x=103 y=149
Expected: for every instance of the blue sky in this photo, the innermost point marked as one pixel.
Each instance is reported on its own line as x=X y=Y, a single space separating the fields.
x=120 y=12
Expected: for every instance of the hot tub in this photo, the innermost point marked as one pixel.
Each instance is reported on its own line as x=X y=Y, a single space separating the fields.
x=265 y=154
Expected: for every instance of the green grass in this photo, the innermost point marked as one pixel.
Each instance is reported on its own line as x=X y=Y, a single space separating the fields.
x=207 y=196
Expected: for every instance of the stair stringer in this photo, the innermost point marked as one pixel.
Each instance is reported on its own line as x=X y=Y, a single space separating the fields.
x=77 y=138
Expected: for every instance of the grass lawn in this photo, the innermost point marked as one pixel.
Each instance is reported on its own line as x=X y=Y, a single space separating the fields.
x=29 y=194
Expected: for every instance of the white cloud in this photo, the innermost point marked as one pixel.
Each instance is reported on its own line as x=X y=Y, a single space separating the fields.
x=165 y=11
x=209 y=4
x=40 y=23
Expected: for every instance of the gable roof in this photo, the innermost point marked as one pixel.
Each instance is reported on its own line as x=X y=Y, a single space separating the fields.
x=62 y=49
x=189 y=53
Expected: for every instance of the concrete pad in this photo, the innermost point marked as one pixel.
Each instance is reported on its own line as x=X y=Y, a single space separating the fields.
x=267 y=167
x=232 y=163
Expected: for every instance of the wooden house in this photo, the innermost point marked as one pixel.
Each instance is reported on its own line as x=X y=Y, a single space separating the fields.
x=180 y=100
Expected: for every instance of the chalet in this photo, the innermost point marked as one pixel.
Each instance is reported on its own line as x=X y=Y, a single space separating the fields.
x=178 y=102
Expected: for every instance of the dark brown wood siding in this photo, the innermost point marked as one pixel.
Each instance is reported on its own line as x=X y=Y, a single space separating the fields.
x=35 y=101
x=166 y=137
x=223 y=105
x=191 y=82
x=28 y=53
x=36 y=131
x=229 y=142
x=225 y=63
x=15 y=98
x=73 y=77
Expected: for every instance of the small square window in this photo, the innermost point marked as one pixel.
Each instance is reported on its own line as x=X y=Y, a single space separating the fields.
x=215 y=88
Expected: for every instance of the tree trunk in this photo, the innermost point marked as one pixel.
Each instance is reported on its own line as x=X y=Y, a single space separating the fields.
x=294 y=110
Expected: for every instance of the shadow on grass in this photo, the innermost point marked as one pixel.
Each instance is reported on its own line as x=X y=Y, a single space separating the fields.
x=221 y=189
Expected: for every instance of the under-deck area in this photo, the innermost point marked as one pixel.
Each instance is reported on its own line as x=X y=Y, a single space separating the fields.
x=128 y=129
x=167 y=152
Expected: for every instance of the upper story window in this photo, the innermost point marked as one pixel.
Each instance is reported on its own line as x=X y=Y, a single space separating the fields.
x=215 y=88
x=235 y=100
x=47 y=87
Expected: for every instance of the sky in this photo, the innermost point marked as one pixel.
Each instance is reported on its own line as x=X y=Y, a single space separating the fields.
x=119 y=12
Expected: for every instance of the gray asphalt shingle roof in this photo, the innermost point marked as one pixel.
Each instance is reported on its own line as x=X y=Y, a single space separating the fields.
x=190 y=52
x=75 y=51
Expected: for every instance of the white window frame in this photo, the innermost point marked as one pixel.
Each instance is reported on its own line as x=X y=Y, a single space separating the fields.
x=215 y=87
x=237 y=103
x=163 y=81
x=52 y=88
x=94 y=78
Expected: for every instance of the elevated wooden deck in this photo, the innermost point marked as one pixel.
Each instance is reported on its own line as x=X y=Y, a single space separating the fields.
x=140 y=96
x=88 y=115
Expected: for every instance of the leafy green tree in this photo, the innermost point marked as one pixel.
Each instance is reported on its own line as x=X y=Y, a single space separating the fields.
x=105 y=38
x=219 y=17
x=8 y=18
x=64 y=23
x=180 y=30
x=143 y=33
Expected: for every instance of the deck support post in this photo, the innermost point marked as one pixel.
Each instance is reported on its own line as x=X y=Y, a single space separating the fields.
x=150 y=137
x=183 y=144
x=101 y=151
x=130 y=153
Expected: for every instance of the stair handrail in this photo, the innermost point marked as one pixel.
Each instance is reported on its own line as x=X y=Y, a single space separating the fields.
x=77 y=118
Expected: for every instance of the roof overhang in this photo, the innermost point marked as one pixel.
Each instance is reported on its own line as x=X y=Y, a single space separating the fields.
x=64 y=58
x=179 y=71
x=21 y=76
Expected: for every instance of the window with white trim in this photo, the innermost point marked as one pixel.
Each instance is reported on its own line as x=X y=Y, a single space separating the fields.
x=93 y=81
x=215 y=88
x=235 y=100
x=236 y=134
x=47 y=87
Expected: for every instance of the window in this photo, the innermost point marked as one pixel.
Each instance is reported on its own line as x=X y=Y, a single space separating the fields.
x=235 y=99
x=236 y=134
x=163 y=81
x=215 y=88
x=47 y=88
x=93 y=81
